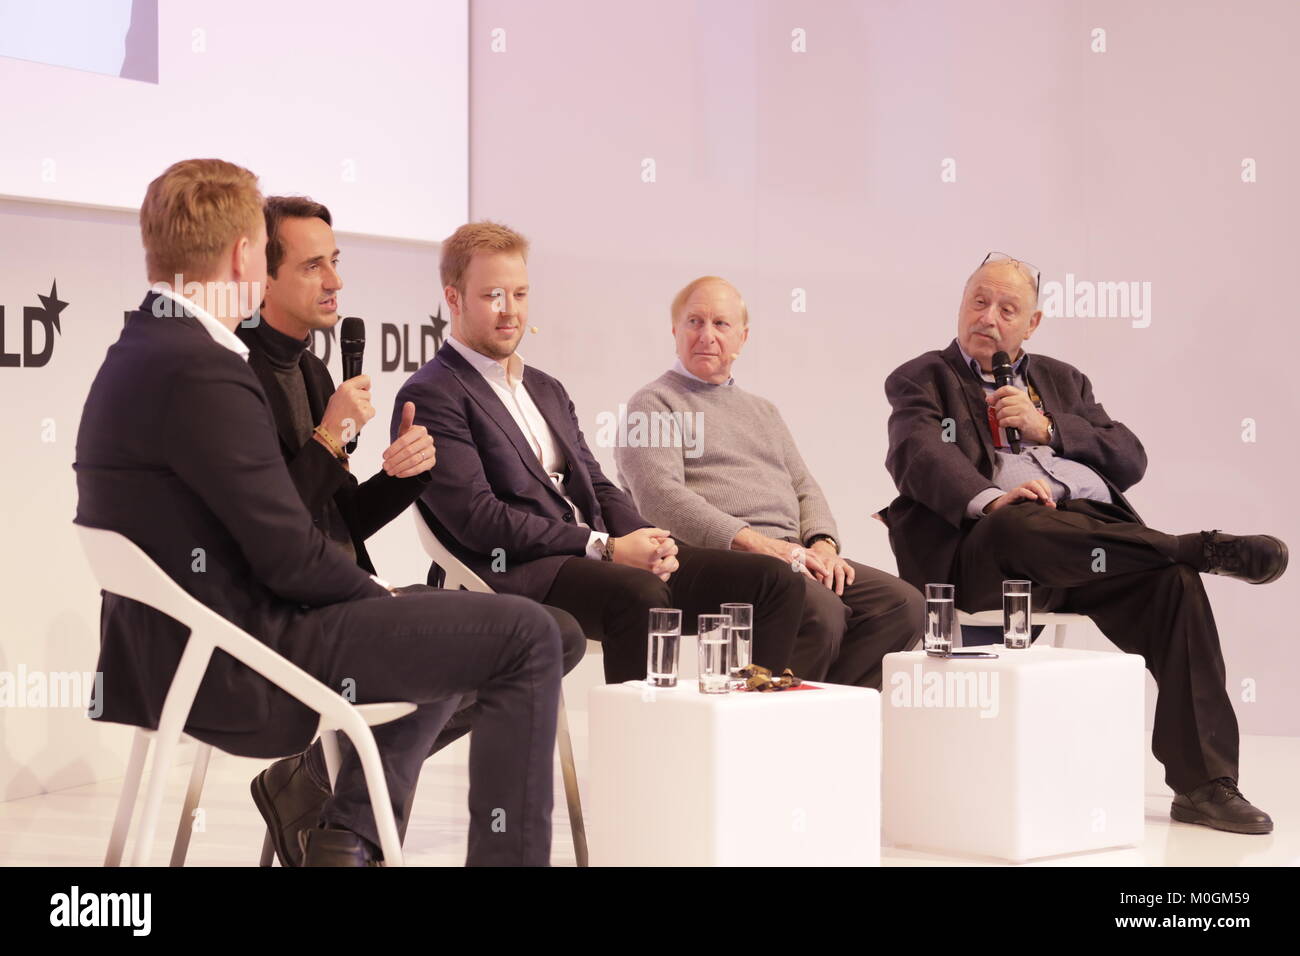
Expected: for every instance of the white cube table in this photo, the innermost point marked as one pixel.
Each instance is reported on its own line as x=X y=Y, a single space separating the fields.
x=787 y=778
x=1036 y=753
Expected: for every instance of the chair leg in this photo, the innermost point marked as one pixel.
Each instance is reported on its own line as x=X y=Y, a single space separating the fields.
x=570 y=774
x=126 y=799
x=163 y=752
x=380 y=802
x=185 y=827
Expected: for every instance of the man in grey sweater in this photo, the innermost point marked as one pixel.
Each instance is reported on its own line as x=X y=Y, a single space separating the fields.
x=718 y=467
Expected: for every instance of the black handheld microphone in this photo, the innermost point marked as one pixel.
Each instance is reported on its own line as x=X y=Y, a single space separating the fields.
x=1001 y=376
x=352 y=342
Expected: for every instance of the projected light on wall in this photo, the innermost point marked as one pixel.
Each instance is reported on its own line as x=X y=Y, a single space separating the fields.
x=116 y=37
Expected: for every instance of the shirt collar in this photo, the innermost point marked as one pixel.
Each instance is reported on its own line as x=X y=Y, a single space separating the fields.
x=489 y=367
x=680 y=369
x=220 y=334
x=1018 y=367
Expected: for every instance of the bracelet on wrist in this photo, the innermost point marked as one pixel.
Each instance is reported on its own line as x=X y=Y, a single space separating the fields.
x=337 y=450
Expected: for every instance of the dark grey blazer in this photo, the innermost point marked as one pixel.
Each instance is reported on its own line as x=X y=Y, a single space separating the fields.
x=488 y=490
x=936 y=479
x=177 y=451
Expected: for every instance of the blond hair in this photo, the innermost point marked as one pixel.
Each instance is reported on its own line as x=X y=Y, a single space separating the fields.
x=192 y=213
x=458 y=249
x=679 y=300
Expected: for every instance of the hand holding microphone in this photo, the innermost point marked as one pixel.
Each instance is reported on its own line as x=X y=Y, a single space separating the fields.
x=1014 y=409
x=348 y=410
x=352 y=343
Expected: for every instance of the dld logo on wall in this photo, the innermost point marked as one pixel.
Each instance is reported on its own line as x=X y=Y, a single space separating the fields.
x=396 y=343
x=46 y=315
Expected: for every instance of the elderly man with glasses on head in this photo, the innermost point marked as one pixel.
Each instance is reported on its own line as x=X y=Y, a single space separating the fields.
x=979 y=504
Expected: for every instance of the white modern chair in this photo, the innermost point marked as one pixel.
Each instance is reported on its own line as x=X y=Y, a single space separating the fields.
x=1059 y=620
x=456 y=577
x=122 y=568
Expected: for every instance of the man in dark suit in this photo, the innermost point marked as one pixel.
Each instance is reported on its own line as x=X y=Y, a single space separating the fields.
x=973 y=511
x=177 y=451
x=315 y=421
x=521 y=500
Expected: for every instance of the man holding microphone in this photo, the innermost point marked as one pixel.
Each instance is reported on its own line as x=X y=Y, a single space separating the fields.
x=315 y=422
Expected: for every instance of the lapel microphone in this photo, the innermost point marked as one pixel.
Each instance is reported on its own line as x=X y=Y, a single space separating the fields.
x=1002 y=376
x=352 y=342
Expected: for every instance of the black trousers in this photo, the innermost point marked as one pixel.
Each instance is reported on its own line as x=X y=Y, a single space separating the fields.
x=844 y=638
x=432 y=648
x=573 y=644
x=1087 y=557
x=612 y=602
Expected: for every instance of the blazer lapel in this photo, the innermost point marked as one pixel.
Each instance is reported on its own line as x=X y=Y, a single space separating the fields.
x=1044 y=385
x=557 y=418
x=482 y=393
x=973 y=389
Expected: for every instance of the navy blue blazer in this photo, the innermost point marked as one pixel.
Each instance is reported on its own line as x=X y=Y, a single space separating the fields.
x=177 y=451
x=488 y=499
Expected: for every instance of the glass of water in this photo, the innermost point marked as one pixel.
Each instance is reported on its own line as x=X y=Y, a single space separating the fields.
x=665 y=636
x=939 y=615
x=742 y=639
x=715 y=648
x=1017 y=615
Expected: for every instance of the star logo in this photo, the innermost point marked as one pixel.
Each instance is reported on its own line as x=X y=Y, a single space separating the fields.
x=46 y=317
x=439 y=323
x=53 y=306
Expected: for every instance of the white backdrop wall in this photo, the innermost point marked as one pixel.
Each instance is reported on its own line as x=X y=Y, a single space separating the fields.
x=873 y=169
x=50 y=601
x=363 y=103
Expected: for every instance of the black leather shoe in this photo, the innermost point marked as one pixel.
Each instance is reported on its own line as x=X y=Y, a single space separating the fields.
x=330 y=847
x=1219 y=804
x=290 y=802
x=1257 y=558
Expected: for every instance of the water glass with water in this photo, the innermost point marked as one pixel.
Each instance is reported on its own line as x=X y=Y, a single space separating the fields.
x=939 y=615
x=715 y=652
x=742 y=639
x=665 y=636
x=1017 y=615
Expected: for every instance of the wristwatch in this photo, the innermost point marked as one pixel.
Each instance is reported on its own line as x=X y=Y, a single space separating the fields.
x=607 y=549
x=824 y=537
x=1051 y=427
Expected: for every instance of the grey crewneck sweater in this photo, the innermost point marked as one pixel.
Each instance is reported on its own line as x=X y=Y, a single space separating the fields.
x=730 y=464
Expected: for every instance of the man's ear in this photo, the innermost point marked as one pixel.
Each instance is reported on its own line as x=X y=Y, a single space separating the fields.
x=452 y=296
x=1033 y=323
x=239 y=256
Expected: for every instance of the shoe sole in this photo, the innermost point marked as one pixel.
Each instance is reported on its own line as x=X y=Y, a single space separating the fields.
x=266 y=807
x=1184 y=815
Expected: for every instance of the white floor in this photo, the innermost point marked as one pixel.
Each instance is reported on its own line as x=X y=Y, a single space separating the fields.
x=70 y=827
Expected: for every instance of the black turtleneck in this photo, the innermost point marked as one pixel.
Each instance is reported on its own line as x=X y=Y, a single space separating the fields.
x=283 y=353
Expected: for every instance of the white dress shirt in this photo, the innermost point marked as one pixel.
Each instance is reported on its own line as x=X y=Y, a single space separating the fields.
x=220 y=334
x=509 y=387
